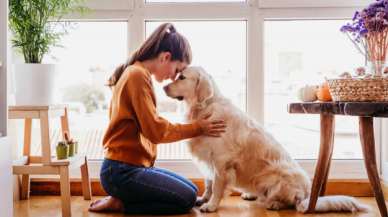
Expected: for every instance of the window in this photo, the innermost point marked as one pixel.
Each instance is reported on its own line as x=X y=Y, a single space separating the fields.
x=90 y=57
x=299 y=53
x=194 y=1
x=220 y=48
x=258 y=34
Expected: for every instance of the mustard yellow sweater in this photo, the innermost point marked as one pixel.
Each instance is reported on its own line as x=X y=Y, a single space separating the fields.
x=134 y=126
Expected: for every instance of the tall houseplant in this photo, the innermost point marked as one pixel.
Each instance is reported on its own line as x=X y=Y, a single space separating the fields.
x=34 y=25
x=368 y=32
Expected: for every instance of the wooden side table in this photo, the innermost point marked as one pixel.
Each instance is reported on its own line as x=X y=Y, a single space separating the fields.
x=327 y=110
x=50 y=165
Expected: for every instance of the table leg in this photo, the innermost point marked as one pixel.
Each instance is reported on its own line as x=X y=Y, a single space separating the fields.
x=368 y=150
x=323 y=188
x=324 y=158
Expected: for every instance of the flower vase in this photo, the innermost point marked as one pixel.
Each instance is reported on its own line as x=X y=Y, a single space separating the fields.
x=377 y=68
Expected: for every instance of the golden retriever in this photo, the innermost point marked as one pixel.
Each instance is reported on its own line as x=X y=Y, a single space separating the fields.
x=246 y=158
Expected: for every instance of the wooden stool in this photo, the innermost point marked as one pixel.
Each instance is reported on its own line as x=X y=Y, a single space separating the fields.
x=50 y=165
x=365 y=112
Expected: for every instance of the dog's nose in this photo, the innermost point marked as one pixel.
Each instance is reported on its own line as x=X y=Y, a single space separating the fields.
x=165 y=88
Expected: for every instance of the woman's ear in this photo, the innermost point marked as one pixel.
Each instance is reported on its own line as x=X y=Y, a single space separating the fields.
x=204 y=88
x=166 y=56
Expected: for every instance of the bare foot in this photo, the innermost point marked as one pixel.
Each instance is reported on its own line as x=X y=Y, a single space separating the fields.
x=108 y=204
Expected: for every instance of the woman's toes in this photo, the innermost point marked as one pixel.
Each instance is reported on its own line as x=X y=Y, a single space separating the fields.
x=107 y=204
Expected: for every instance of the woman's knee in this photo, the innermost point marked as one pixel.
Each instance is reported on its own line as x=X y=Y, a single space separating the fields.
x=195 y=189
x=190 y=196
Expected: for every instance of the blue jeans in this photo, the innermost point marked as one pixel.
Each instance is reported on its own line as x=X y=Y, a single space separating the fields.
x=147 y=190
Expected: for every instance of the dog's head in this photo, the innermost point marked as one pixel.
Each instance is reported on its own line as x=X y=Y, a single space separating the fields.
x=193 y=85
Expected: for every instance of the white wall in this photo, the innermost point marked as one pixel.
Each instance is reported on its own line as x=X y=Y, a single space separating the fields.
x=5 y=142
x=3 y=68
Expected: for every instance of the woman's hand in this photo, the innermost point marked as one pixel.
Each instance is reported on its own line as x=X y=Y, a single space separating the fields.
x=211 y=127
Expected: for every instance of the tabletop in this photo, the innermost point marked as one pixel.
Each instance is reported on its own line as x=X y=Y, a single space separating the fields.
x=365 y=109
x=36 y=107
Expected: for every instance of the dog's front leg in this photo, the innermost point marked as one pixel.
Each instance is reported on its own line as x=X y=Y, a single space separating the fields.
x=222 y=184
x=208 y=192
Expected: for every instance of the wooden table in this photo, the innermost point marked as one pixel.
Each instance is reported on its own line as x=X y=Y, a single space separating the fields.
x=327 y=110
x=50 y=165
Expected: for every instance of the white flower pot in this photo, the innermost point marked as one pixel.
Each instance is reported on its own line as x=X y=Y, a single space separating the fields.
x=33 y=83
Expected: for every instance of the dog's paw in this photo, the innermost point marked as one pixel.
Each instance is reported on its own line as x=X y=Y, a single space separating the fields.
x=303 y=206
x=261 y=198
x=274 y=205
x=207 y=207
x=248 y=196
x=201 y=201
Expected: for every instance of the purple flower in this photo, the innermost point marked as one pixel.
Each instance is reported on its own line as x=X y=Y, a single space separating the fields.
x=363 y=32
x=355 y=15
x=376 y=5
x=347 y=28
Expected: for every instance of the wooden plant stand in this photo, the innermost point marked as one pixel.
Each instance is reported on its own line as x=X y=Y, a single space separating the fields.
x=50 y=165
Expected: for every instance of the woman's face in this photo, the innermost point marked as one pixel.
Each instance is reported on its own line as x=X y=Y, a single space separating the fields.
x=167 y=69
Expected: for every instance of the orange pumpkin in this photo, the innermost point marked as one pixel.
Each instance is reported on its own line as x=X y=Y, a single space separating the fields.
x=323 y=93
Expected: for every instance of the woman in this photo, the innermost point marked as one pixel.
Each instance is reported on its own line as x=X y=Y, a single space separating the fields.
x=127 y=173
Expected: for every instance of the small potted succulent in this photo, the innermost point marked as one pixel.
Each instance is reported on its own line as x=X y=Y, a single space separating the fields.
x=73 y=145
x=62 y=150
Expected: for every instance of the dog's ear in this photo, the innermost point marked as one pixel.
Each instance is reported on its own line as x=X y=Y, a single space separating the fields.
x=204 y=88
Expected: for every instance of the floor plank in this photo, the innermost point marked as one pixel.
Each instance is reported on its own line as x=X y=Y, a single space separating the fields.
x=50 y=206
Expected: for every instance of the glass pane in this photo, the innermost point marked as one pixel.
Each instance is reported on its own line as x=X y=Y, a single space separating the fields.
x=90 y=57
x=192 y=1
x=220 y=48
x=300 y=53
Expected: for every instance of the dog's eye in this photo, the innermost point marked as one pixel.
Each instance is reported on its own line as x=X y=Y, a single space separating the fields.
x=182 y=77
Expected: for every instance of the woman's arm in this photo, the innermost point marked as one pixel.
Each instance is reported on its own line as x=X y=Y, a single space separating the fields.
x=155 y=128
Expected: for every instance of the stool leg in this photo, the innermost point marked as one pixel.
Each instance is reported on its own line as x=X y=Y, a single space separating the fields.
x=368 y=150
x=86 y=181
x=45 y=137
x=325 y=152
x=65 y=123
x=65 y=191
x=25 y=193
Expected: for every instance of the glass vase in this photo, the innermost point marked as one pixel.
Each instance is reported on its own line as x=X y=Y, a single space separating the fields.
x=379 y=68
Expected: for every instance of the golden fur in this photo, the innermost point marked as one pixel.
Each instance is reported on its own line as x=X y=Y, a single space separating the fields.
x=246 y=157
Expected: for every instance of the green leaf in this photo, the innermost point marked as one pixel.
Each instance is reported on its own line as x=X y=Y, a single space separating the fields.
x=32 y=23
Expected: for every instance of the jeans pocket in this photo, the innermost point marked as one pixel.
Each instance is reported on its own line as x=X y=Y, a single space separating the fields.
x=107 y=184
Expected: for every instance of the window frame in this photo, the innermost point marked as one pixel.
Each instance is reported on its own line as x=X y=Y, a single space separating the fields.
x=255 y=12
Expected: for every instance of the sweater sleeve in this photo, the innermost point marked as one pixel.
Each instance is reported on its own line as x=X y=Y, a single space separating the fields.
x=156 y=129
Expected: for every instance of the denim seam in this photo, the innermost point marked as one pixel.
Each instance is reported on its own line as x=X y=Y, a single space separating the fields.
x=111 y=180
x=104 y=171
x=187 y=202
x=176 y=179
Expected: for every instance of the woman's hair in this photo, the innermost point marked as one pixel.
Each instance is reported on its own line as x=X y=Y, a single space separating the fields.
x=159 y=41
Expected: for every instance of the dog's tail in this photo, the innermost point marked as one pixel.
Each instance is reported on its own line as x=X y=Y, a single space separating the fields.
x=334 y=204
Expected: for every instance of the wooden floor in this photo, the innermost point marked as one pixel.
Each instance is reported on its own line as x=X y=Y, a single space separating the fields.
x=49 y=206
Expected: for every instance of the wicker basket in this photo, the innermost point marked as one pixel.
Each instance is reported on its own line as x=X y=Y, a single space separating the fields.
x=359 y=89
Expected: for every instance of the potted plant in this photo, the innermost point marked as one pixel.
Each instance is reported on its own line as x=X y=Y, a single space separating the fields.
x=32 y=24
x=62 y=150
x=73 y=145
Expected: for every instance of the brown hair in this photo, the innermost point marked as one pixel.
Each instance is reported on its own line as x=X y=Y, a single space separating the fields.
x=159 y=41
